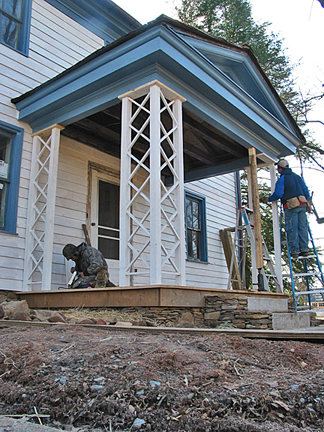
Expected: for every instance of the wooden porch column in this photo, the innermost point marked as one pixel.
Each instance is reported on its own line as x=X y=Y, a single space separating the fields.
x=276 y=230
x=253 y=258
x=41 y=209
x=152 y=240
x=256 y=209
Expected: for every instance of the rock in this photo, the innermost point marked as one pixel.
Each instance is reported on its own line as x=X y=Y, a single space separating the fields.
x=84 y=321
x=12 y=307
x=124 y=324
x=21 y=316
x=138 y=423
x=214 y=316
x=101 y=322
x=49 y=316
x=1 y=312
x=11 y=296
x=186 y=320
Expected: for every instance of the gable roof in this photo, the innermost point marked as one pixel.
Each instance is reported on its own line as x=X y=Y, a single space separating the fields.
x=223 y=84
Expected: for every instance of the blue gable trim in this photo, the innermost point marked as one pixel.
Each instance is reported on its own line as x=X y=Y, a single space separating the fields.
x=156 y=51
x=238 y=66
x=102 y=17
x=17 y=135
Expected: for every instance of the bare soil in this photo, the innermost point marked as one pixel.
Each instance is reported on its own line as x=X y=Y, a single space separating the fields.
x=97 y=380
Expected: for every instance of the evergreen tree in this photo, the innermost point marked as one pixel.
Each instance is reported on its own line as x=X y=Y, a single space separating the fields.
x=232 y=20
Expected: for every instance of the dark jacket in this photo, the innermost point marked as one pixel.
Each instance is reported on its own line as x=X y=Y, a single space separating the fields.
x=288 y=186
x=90 y=260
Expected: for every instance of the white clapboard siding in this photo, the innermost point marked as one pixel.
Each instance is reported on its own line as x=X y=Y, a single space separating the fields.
x=56 y=42
x=220 y=213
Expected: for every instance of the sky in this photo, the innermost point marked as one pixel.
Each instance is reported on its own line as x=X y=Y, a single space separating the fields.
x=299 y=23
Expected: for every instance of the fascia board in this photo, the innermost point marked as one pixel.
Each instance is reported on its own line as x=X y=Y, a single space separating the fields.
x=97 y=101
x=103 y=66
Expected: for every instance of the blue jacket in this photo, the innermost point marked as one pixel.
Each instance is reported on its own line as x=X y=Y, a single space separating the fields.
x=288 y=186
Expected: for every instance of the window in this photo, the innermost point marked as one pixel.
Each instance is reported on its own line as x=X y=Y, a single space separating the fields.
x=196 y=233
x=11 y=139
x=15 y=24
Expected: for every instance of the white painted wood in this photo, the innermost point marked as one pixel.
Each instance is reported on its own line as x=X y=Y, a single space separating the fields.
x=50 y=208
x=276 y=230
x=253 y=258
x=155 y=187
x=179 y=193
x=56 y=42
x=125 y=193
x=31 y=215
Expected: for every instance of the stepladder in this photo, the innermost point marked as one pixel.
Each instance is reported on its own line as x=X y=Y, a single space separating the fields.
x=235 y=243
x=307 y=285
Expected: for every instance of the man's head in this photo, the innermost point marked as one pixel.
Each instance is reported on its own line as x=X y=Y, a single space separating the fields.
x=70 y=251
x=282 y=164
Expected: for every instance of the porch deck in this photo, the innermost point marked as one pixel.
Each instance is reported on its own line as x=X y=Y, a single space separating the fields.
x=140 y=296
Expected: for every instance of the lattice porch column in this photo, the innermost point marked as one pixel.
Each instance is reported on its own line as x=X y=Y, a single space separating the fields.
x=150 y=212
x=41 y=209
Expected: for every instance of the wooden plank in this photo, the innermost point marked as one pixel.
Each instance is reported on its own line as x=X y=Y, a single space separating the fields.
x=256 y=209
x=313 y=334
x=227 y=242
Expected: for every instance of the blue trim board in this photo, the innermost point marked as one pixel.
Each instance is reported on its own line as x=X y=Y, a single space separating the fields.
x=102 y=17
x=17 y=135
x=203 y=236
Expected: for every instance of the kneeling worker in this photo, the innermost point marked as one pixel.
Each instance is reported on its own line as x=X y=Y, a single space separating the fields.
x=89 y=263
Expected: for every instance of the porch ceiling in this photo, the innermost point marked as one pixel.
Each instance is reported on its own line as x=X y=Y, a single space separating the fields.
x=222 y=118
x=204 y=146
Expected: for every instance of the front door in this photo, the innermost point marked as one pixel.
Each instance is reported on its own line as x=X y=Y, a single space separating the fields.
x=105 y=220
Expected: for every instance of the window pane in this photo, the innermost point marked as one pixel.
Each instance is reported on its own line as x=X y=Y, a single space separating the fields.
x=195 y=215
x=13 y=7
x=4 y=156
x=189 y=213
x=109 y=248
x=108 y=205
x=3 y=188
x=9 y=32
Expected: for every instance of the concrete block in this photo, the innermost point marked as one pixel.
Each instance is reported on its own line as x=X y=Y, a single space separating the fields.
x=267 y=304
x=290 y=321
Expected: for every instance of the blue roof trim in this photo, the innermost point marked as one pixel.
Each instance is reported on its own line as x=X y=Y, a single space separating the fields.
x=157 y=53
x=238 y=66
x=102 y=17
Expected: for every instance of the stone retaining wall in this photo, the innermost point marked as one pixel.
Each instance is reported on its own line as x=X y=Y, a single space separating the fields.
x=233 y=310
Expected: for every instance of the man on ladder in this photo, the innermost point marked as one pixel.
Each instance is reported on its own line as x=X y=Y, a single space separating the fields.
x=295 y=197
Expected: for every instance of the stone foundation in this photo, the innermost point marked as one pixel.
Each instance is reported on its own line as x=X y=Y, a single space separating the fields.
x=233 y=310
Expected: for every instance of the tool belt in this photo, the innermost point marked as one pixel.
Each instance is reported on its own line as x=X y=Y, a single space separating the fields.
x=294 y=202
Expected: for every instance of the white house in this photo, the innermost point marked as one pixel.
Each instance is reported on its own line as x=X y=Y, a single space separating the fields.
x=134 y=132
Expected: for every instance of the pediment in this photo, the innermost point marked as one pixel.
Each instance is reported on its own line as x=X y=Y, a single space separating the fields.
x=237 y=65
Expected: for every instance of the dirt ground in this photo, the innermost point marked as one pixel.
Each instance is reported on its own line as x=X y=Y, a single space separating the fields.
x=90 y=379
